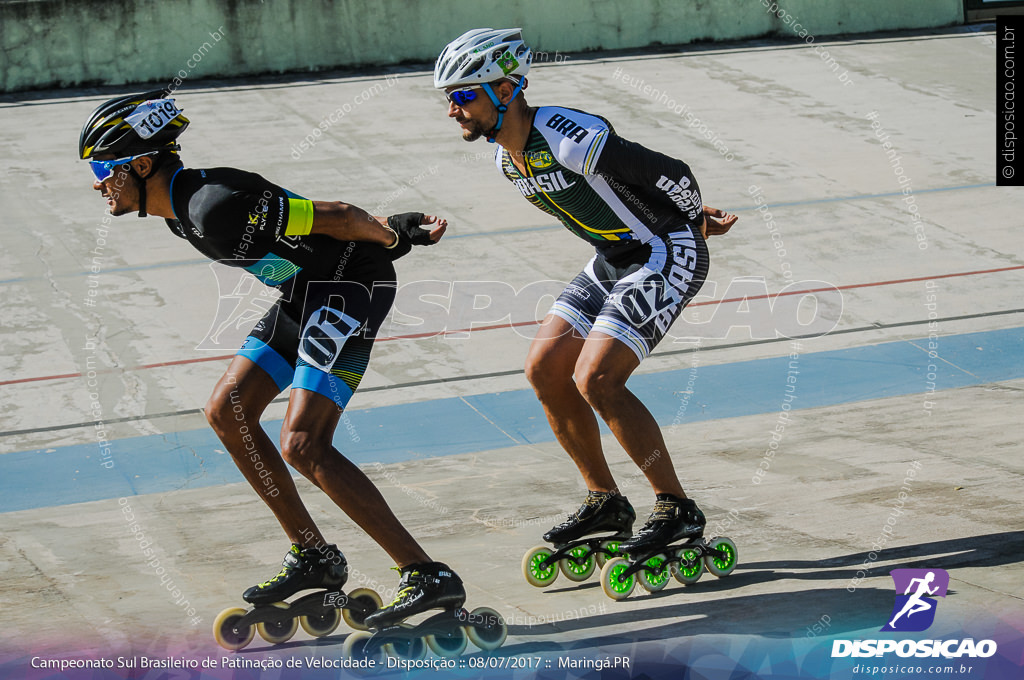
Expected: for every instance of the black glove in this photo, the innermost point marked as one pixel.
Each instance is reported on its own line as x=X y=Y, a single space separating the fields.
x=407 y=226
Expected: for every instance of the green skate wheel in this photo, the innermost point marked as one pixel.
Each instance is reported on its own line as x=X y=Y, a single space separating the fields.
x=487 y=630
x=370 y=598
x=612 y=586
x=718 y=566
x=610 y=546
x=276 y=632
x=412 y=649
x=224 y=629
x=358 y=647
x=450 y=645
x=321 y=625
x=656 y=579
x=689 y=568
x=578 y=571
x=535 y=575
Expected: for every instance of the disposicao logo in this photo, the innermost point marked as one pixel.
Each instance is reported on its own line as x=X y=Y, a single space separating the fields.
x=913 y=612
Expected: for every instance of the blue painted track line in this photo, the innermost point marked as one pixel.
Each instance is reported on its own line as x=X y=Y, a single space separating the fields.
x=442 y=427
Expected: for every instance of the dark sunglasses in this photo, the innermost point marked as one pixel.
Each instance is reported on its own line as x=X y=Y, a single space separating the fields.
x=462 y=97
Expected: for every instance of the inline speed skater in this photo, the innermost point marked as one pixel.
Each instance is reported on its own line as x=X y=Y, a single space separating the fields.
x=643 y=213
x=332 y=263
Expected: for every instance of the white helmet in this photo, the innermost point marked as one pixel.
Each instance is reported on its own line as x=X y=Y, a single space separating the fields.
x=482 y=55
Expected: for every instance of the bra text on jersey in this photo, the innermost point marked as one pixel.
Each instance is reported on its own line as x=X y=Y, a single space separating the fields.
x=552 y=181
x=568 y=127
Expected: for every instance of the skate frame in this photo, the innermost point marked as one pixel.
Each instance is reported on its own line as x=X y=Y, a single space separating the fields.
x=593 y=544
x=446 y=633
x=313 y=604
x=701 y=546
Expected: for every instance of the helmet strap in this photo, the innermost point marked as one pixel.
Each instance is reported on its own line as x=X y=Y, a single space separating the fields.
x=140 y=181
x=502 y=108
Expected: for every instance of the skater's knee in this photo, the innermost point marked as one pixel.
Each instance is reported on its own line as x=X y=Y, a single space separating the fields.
x=226 y=410
x=237 y=402
x=535 y=373
x=302 y=450
x=547 y=372
x=597 y=386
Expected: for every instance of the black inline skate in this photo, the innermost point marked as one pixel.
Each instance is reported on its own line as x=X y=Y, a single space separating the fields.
x=577 y=551
x=425 y=587
x=671 y=543
x=324 y=569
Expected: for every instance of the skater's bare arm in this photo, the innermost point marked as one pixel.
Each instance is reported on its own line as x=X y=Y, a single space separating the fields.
x=347 y=222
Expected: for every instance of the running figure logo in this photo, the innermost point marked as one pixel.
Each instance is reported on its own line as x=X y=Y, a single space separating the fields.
x=915 y=611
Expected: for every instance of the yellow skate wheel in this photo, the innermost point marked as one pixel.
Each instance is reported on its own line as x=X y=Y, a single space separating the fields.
x=357 y=646
x=487 y=629
x=276 y=632
x=410 y=648
x=365 y=596
x=450 y=645
x=321 y=625
x=224 y=629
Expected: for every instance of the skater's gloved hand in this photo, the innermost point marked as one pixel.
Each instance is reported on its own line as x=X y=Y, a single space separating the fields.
x=717 y=222
x=407 y=228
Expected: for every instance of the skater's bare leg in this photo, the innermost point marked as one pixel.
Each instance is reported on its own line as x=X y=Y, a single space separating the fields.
x=233 y=411
x=306 y=443
x=603 y=366
x=549 y=368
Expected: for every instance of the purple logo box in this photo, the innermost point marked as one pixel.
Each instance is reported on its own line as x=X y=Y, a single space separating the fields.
x=914 y=609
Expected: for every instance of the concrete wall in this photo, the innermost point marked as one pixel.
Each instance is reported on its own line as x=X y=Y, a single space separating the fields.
x=55 y=43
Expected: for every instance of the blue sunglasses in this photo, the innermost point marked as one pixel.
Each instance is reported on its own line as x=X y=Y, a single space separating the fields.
x=105 y=169
x=462 y=97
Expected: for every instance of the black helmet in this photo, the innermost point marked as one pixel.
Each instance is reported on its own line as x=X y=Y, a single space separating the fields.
x=155 y=125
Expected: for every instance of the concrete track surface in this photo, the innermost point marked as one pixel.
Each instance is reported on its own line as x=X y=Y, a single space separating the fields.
x=889 y=437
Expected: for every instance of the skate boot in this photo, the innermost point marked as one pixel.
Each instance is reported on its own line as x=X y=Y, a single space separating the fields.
x=600 y=512
x=672 y=519
x=670 y=544
x=583 y=541
x=303 y=568
x=425 y=587
x=321 y=570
